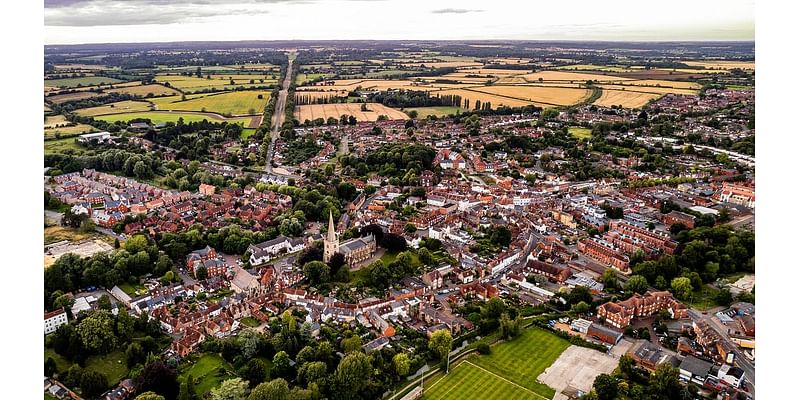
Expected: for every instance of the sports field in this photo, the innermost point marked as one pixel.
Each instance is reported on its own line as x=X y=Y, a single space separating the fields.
x=509 y=372
x=580 y=133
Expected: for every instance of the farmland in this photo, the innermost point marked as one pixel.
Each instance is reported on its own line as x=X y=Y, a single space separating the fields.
x=625 y=98
x=511 y=370
x=216 y=82
x=546 y=95
x=158 y=117
x=63 y=98
x=474 y=96
x=58 y=125
x=442 y=111
x=145 y=90
x=244 y=102
x=722 y=64
x=325 y=111
x=66 y=145
x=115 y=108
x=79 y=82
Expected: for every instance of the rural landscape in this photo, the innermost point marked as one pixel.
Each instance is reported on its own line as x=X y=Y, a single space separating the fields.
x=399 y=220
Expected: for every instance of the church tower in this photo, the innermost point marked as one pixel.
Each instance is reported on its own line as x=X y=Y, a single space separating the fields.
x=331 y=244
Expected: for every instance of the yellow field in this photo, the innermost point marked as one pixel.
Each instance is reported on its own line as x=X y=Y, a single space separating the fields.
x=496 y=101
x=511 y=80
x=313 y=94
x=537 y=94
x=571 y=76
x=592 y=67
x=494 y=71
x=510 y=60
x=663 y=83
x=648 y=89
x=457 y=76
x=82 y=66
x=52 y=121
x=115 y=108
x=245 y=102
x=624 y=98
x=51 y=127
x=63 y=98
x=443 y=64
x=325 y=111
x=144 y=90
x=217 y=82
x=721 y=64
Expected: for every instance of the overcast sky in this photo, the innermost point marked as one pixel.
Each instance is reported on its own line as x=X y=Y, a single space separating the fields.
x=108 y=21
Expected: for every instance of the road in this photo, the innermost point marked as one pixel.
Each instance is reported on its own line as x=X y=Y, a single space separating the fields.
x=740 y=361
x=279 y=115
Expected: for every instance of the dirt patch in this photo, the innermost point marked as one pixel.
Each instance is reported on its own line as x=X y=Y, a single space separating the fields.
x=577 y=367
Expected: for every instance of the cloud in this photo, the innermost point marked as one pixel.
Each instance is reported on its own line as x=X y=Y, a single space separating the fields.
x=82 y=13
x=454 y=11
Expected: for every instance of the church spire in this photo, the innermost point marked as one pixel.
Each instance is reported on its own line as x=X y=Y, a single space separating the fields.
x=331 y=245
x=331 y=231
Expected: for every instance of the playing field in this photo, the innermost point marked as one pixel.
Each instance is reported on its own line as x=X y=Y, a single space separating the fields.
x=325 y=111
x=245 y=102
x=509 y=372
x=624 y=98
x=580 y=133
x=119 y=107
x=145 y=90
x=159 y=117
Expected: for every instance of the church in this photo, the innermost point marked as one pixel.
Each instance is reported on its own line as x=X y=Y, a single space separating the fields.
x=354 y=250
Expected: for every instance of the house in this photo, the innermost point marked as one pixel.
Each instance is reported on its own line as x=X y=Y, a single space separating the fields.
x=677 y=217
x=732 y=376
x=376 y=344
x=207 y=190
x=54 y=319
x=694 y=370
x=554 y=273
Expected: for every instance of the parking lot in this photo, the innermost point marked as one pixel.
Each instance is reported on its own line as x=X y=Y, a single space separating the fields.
x=577 y=367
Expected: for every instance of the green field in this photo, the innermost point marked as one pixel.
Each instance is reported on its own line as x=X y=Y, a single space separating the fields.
x=442 y=111
x=217 y=82
x=509 y=372
x=302 y=78
x=79 y=82
x=580 y=133
x=247 y=132
x=249 y=322
x=208 y=372
x=245 y=102
x=111 y=365
x=158 y=117
x=62 y=146
x=62 y=364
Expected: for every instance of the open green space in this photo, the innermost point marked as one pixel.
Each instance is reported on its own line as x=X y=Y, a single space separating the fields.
x=244 y=102
x=62 y=146
x=80 y=82
x=111 y=365
x=511 y=370
x=62 y=364
x=580 y=133
x=247 y=132
x=131 y=290
x=208 y=372
x=704 y=298
x=249 y=322
x=159 y=117
x=438 y=111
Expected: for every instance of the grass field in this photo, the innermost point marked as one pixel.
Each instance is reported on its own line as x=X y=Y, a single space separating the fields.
x=249 y=322
x=325 y=111
x=145 y=90
x=54 y=234
x=158 y=117
x=63 y=98
x=112 y=365
x=244 y=102
x=442 y=111
x=208 y=372
x=67 y=130
x=62 y=364
x=119 y=107
x=79 y=82
x=624 y=98
x=131 y=290
x=511 y=370
x=217 y=82
x=580 y=133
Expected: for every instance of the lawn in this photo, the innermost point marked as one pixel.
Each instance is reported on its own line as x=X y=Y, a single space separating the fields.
x=247 y=132
x=580 y=133
x=111 y=365
x=130 y=289
x=159 y=117
x=249 y=322
x=442 y=111
x=704 y=298
x=54 y=234
x=62 y=364
x=511 y=370
x=208 y=372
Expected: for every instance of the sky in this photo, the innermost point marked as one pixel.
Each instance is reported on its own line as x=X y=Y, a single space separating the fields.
x=118 y=21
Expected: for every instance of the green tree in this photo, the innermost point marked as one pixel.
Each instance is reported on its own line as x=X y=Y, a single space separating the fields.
x=401 y=364
x=317 y=272
x=724 y=297
x=136 y=243
x=636 y=283
x=581 y=308
x=352 y=375
x=610 y=279
x=605 y=386
x=682 y=288
x=254 y=372
x=231 y=389
x=440 y=343
x=93 y=383
x=311 y=372
x=149 y=396
x=97 y=332
x=276 y=389
x=664 y=383
x=280 y=364
x=351 y=344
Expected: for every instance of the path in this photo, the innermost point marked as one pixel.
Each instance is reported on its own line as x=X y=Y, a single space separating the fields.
x=279 y=114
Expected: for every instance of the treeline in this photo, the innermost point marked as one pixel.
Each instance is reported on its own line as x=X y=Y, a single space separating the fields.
x=128 y=163
x=413 y=98
x=402 y=161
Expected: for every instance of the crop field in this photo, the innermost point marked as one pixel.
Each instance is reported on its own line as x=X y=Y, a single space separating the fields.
x=625 y=98
x=217 y=82
x=511 y=370
x=442 y=64
x=302 y=78
x=78 y=82
x=63 y=98
x=245 y=102
x=664 y=83
x=571 y=77
x=58 y=125
x=442 y=111
x=325 y=111
x=547 y=95
x=320 y=94
x=159 y=117
x=647 y=89
x=722 y=64
x=592 y=67
x=145 y=90
x=496 y=101
x=86 y=67
x=119 y=107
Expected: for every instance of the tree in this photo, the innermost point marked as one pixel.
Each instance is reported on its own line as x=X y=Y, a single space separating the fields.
x=724 y=297
x=636 y=283
x=401 y=364
x=136 y=243
x=410 y=228
x=510 y=328
x=160 y=378
x=682 y=288
x=149 y=396
x=311 y=372
x=93 y=383
x=610 y=279
x=280 y=364
x=276 y=389
x=317 y=272
x=104 y=303
x=201 y=273
x=605 y=386
x=351 y=344
x=249 y=342
x=352 y=375
x=440 y=343
x=581 y=308
x=97 y=332
x=231 y=389
x=255 y=372
x=664 y=383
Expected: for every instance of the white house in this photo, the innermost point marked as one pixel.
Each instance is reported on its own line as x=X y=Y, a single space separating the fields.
x=53 y=320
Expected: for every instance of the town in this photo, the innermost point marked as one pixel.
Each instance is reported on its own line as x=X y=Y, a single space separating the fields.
x=607 y=251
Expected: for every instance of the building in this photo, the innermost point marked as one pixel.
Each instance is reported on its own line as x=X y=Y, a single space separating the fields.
x=677 y=217
x=603 y=334
x=97 y=136
x=54 y=319
x=207 y=190
x=331 y=243
x=358 y=250
x=620 y=314
x=604 y=252
x=738 y=194
x=694 y=370
x=552 y=272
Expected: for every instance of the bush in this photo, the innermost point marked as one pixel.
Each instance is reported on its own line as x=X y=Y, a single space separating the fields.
x=484 y=348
